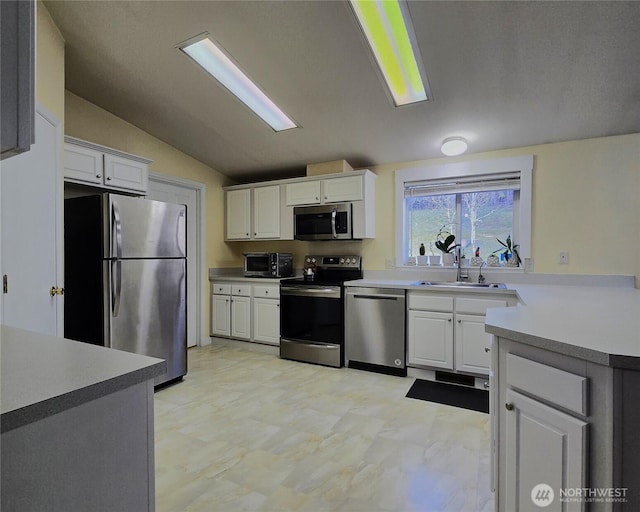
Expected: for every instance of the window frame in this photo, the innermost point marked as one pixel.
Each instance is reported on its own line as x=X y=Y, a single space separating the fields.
x=469 y=169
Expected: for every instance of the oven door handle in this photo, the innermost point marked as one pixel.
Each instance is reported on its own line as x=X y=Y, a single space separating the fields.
x=333 y=223
x=310 y=292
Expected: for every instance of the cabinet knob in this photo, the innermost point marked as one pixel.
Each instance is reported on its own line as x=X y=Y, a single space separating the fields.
x=487 y=349
x=449 y=320
x=317 y=199
x=247 y=234
x=108 y=178
x=266 y=292
x=459 y=321
x=98 y=176
x=508 y=406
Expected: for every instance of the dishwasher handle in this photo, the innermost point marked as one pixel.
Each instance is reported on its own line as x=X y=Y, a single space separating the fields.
x=377 y=297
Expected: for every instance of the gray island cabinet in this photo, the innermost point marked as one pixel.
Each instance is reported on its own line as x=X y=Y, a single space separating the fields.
x=77 y=425
x=565 y=388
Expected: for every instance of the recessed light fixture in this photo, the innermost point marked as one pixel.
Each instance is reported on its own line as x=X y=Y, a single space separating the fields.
x=389 y=32
x=218 y=64
x=453 y=146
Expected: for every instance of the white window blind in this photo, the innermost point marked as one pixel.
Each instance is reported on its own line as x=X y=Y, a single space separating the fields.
x=463 y=184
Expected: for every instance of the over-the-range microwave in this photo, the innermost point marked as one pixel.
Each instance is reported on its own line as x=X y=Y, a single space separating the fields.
x=326 y=222
x=268 y=264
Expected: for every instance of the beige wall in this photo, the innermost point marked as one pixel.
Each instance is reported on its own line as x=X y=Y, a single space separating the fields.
x=49 y=64
x=90 y=122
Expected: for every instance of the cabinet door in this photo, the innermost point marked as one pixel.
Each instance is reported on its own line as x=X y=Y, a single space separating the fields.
x=266 y=320
x=238 y=214
x=337 y=190
x=431 y=339
x=124 y=173
x=83 y=164
x=266 y=212
x=304 y=192
x=220 y=315
x=241 y=317
x=470 y=344
x=542 y=446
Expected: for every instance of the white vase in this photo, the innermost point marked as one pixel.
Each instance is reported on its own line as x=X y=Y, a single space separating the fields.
x=493 y=261
x=448 y=259
x=422 y=260
x=434 y=260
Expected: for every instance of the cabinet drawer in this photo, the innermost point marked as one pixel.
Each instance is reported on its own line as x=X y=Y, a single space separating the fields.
x=430 y=302
x=266 y=292
x=221 y=289
x=241 y=290
x=478 y=306
x=556 y=386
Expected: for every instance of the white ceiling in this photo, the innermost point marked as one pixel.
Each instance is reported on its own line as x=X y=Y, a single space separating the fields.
x=502 y=74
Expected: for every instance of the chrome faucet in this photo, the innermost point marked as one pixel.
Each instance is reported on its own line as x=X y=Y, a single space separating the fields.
x=480 y=276
x=460 y=275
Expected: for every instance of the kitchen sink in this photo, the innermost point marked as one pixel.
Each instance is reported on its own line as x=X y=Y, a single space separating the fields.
x=460 y=284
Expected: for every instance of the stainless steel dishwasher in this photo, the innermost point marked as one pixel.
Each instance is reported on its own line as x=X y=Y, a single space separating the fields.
x=374 y=330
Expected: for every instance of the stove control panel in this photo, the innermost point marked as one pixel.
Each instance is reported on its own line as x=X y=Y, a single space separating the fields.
x=347 y=261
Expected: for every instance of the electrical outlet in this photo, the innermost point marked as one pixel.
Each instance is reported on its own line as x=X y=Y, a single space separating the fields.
x=563 y=258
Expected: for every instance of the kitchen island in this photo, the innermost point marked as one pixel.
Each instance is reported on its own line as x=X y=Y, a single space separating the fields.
x=77 y=425
x=564 y=392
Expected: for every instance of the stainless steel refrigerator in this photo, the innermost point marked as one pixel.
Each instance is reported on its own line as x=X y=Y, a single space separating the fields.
x=125 y=277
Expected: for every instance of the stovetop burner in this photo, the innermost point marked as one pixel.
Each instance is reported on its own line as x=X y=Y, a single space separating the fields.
x=328 y=270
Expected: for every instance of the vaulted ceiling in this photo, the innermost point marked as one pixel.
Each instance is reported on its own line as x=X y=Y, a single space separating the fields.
x=502 y=74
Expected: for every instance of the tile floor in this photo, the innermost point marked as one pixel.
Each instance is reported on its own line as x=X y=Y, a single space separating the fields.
x=249 y=431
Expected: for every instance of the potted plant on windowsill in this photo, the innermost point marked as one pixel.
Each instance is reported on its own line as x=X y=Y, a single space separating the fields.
x=445 y=242
x=510 y=252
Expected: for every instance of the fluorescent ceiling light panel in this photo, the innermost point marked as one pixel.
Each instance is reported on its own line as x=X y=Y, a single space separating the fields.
x=390 y=35
x=211 y=57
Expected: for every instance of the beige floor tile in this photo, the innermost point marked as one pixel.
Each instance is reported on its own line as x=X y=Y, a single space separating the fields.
x=246 y=430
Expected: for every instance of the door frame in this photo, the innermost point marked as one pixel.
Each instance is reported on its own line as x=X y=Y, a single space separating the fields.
x=202 y=337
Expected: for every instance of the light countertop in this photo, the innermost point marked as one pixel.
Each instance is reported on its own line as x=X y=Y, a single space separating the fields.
x=43 y=375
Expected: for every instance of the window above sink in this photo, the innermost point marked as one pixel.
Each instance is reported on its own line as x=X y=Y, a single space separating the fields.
x=477 y=201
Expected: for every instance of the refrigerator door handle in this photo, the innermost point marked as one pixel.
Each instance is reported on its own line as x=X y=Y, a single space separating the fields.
x=116 y=228
x=116 y=286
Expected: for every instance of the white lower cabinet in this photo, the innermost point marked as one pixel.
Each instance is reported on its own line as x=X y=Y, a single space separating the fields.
x=447 y=332
x=220 y=315
x=266 y=320
x=543 y=445
x=431 y=339
x=246 y=312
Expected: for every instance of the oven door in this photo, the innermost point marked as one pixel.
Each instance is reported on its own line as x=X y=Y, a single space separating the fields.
x=329 y=222
x=311 y=324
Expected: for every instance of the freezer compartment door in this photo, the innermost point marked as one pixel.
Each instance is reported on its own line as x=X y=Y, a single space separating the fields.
x=140 y=228
x=146 y=311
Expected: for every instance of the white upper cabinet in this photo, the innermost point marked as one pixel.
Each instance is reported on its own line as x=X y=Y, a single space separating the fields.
x=238 y=213
x=266 y=212
x=338 y=190
x=303 y=192
x=91 y=164
x=329 y=190
x=253 y=213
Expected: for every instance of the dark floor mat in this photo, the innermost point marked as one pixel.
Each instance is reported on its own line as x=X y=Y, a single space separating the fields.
x=449 y=394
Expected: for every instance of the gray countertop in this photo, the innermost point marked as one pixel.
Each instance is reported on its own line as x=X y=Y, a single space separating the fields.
x=42 y=375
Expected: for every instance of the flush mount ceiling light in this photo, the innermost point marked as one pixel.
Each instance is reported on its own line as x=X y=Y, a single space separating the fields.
x=218 y=64
x=389 y=32
x=453 y=146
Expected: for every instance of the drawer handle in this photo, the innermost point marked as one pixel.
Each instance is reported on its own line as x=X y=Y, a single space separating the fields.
x=508 y=406
x=487 y=349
